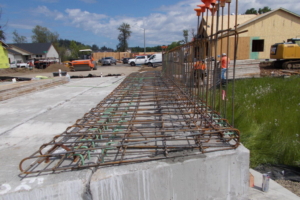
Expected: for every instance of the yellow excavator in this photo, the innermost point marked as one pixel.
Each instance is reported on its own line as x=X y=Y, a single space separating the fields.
x=287 y=54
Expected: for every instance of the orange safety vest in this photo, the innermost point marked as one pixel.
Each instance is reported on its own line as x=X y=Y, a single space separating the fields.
x=223 y=62
x=199 y=65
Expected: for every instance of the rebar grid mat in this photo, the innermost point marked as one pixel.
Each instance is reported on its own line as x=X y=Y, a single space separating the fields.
x=147 y=117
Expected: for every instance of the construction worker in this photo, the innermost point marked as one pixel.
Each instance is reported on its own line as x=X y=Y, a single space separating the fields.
x=199 y=71
x=224 y=65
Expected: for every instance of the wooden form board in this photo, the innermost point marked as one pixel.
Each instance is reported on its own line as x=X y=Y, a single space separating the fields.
x=243 y=51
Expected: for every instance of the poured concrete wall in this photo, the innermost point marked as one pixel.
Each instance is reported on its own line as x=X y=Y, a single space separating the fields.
x=217 y=175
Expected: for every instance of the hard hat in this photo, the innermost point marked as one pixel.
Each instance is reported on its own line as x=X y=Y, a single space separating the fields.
x=223 y=54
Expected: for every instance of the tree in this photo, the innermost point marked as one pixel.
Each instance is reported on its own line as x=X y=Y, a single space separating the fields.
x=186 y=35
x=104 y=48
x=2 y=34
x=123 y=37
x=251 y=11
x=192 y=30
x=264 y=10
x=43 y=35
x=95 y=48
x=62 y=52
x=18 y=38
x=260 y=10
x=74 y=48
x=173 y=45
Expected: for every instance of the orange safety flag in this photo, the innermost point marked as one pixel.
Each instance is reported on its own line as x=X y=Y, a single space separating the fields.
x=223 y=94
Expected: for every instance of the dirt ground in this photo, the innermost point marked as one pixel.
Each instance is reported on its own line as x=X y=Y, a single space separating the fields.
x=266 y=69
x=51 y=68
x=123 y=69
x=294 y=187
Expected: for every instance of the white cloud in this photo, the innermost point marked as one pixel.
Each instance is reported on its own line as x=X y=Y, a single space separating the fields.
x=291 y=5
x=163 y=26
x=21 y=26
x=48 y=13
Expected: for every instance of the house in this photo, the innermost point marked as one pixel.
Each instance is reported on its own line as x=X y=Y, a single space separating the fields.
x=18 y=55
x=24 y=52
x=258 y=32
x=3 y=55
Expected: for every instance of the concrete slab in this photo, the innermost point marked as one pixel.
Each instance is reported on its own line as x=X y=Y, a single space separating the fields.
x=23 y=87
x=275 y=192
x=31 y=120
x=217 y=175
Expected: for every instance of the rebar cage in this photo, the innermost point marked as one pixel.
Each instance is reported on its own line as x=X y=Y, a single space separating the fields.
x=150 y=116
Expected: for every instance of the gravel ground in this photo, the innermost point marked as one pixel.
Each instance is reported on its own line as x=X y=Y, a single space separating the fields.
x=268 y=70
x=123 y=69
x=294 y=187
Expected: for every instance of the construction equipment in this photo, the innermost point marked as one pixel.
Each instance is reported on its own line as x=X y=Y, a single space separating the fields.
x=86 y=63
x=287 y=54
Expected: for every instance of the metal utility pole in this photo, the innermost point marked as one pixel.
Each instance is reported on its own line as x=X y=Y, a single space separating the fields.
x=144 y=41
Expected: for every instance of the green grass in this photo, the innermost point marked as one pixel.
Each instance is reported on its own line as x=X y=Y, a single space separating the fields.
x=267 y=113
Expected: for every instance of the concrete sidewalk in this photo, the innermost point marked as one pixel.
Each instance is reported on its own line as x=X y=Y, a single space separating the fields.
x=33 y=119
x=276 y=191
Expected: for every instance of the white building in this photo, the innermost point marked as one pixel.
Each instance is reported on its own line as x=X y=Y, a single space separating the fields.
x=25 y=52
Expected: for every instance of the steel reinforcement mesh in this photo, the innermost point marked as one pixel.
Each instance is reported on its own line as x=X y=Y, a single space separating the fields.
x=147 y=117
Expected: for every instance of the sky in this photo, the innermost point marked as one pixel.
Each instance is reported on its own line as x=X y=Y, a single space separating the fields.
x=96 y=21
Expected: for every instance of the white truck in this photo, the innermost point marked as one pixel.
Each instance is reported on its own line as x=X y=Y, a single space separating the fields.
x=15 y=64
x=155 y=59
x=22 y=65
x=139 y=60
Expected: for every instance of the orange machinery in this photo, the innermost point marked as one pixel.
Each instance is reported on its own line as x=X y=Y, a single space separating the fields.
x=87 y=62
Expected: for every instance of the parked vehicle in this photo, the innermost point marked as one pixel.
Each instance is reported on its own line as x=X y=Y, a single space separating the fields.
x=13 y=64
x=109 y=61
x=147 y=59
x=125 y=60
x=139 y=60
x=155 y=59
x=22 y=65
x=19 y=64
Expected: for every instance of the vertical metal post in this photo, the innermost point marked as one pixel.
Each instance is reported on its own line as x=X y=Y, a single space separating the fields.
x=221 y=50
x=235 y=57
x=228 y=41
x=198 y=27
x=144 y=41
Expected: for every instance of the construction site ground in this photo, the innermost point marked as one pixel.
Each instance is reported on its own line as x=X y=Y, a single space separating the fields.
x=122 y=69
x=244 y=69
x=31 y=119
